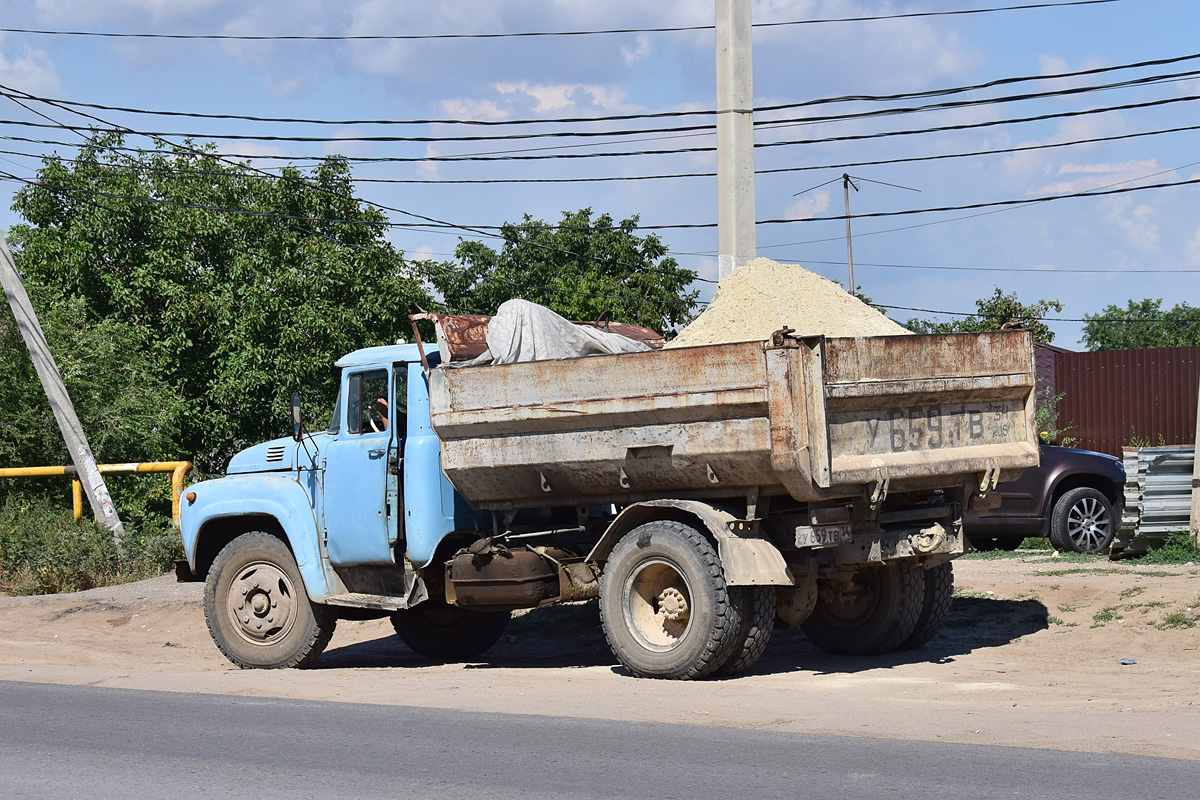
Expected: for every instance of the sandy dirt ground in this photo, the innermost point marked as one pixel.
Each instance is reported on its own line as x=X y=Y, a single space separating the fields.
x=1029 y=657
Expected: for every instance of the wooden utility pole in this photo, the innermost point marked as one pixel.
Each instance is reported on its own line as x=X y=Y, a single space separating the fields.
x=56 y=394
x=735 y=137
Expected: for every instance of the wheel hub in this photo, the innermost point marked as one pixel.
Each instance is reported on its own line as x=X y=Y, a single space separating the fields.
x=672 y=605
x=658 y=605
x=262 y=603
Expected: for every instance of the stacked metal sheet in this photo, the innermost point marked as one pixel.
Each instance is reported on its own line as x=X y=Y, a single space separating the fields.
x=1158 y=497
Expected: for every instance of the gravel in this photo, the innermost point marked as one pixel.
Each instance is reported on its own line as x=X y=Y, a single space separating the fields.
x=761 y=297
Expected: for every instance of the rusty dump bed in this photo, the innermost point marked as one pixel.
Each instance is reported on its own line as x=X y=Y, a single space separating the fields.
x=811 y=417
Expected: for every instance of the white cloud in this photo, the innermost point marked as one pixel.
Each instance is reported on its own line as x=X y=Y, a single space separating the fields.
x=154 y=12
x=1097 y=176
x=1136 y=222
x=639 y=51
x=555 y=97
x=28 y=70
x=428 y=170
x=462 y=108
x=808 y=207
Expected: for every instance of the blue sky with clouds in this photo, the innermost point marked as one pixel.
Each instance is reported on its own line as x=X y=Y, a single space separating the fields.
x=531 y=78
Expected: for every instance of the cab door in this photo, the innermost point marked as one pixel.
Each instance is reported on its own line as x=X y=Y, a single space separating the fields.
x=356 y=507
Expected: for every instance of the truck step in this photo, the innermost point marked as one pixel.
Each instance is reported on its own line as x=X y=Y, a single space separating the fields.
x=385 y=602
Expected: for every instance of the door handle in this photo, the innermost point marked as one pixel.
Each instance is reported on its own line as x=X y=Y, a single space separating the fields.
x=375 y=453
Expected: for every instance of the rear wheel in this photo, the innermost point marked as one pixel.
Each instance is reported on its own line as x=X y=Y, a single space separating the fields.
x=874 y=614
x=664 y=604
x=442 y=632
x=1082 y=522
x=935 y=605
x=756 y=612
x=257 y=610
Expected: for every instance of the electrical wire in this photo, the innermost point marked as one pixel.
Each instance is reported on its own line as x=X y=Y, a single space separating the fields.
x=618 y=178
x=675 y=151
x=528 y=34
x=915 y=95
x=691 y=130
x=431 y=220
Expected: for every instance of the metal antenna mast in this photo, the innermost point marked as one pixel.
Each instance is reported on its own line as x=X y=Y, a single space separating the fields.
x=848 y=183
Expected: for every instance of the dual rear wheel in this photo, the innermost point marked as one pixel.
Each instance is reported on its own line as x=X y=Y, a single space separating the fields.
x=668 y=611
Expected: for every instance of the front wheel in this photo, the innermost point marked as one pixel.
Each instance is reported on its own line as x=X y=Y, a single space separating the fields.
x=1082 y=522
x=442 y=632
x=664 y=604
x=256 y=607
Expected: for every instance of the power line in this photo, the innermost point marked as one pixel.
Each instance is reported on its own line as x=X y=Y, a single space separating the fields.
x=618 y=178
x=677 y=131
x=674 y=151
x=431 y=220
x=923 y=94
x=527 y=34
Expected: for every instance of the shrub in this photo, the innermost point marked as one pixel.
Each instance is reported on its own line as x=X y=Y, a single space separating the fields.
x=43 y=550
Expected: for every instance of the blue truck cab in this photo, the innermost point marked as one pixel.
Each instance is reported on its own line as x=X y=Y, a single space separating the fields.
x=331 y=506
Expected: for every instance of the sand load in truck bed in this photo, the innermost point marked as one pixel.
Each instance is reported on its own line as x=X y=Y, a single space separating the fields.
x=761 y=297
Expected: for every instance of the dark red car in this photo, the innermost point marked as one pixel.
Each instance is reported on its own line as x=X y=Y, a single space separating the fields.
x=1073 y=497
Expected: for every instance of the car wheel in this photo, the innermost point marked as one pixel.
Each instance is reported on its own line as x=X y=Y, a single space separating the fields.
x=1082 y=522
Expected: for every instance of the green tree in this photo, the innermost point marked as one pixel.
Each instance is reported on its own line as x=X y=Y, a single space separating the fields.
x=994 y=312
x=1142 y=324
x=234 y=287
x=579 y=268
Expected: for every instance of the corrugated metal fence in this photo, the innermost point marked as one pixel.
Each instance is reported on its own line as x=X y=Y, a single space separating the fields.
x=1158 y=497
x=1114 y=397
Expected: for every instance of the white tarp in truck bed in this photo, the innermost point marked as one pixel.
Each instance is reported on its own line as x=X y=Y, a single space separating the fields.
x=522 y=331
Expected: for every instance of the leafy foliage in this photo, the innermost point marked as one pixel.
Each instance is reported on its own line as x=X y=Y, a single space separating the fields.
x=1142 y=324
x=993 y=313
x=130 y=414
x=227 y=312
x=581 y=268
x=42 y=550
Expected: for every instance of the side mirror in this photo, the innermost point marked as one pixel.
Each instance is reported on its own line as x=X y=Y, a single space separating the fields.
x=297 y=425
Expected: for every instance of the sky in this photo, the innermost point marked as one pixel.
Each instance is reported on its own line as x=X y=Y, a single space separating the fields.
x=1132 y=245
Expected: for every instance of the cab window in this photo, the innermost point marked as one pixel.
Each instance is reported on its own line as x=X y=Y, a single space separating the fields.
x=368 y=406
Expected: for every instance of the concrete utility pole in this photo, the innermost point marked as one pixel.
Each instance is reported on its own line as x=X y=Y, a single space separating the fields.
x=56 y=393
x=735 y=137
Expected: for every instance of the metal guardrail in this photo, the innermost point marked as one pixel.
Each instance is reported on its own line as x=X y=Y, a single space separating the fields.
x=178 y=470
x=1158 y=497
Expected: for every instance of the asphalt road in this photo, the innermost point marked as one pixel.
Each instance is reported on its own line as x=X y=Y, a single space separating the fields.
x=85 y=742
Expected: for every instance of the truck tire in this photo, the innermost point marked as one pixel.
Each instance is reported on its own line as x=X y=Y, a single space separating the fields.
x=878 y=620
x=939 y=590
x=442 y=632
x=756 y=605
x=664 y=604
x=1082 y=522
x=257 y=610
